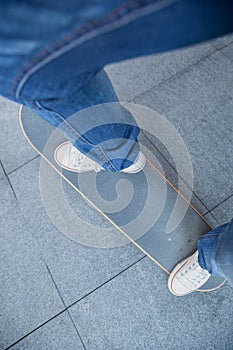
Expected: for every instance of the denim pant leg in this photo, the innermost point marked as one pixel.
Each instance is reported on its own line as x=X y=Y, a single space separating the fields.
x=216 y=251
x=95 y=122
x=50 y=51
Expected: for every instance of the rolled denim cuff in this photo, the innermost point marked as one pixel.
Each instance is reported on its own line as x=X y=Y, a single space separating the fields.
x=224 y=254
x=207 y=251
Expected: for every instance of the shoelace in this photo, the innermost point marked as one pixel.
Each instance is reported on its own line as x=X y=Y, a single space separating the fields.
x=77 y=159
x=192 y=276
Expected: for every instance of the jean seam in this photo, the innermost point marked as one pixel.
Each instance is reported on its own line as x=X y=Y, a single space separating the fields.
x=113 y=20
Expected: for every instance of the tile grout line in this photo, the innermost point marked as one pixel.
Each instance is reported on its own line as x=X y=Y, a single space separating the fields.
x=223 y=47
x=217 y=205
x=180 y=72
x=109 y=280
x=213 y=217
x=69 y=306
x=79 y=335
x=22 y=165
x=35 y=329
x=8 y=179
x=58 y=291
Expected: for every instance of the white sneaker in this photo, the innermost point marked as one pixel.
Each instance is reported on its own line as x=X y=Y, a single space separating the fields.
x=187 y=276
x=70 y=158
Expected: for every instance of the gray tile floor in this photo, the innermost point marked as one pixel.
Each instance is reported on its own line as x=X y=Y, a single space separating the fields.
x=57 y=294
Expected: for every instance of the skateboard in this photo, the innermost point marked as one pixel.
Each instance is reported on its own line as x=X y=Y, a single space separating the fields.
x=149 y=235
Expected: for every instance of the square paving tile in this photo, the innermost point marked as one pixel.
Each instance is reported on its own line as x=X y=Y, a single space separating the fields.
x=59 y=333
x=133 y=77
x=136 y=311
x=199 y=104
x=15 y=150
x=224 y=212
x=76 y=268
x=27 y=292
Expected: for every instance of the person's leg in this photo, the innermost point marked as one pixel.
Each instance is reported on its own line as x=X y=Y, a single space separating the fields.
x=213 y=257
x=31 y=33
x=215 y=251
x=96 y=124
x=50 y=52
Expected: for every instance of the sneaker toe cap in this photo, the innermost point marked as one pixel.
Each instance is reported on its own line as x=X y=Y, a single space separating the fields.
x=176 y=287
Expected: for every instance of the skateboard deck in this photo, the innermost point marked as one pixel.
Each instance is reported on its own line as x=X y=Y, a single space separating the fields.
x=164 y=249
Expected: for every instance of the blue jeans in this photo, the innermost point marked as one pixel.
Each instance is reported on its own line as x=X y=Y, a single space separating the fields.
x=52 y=55
x=215 y=251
